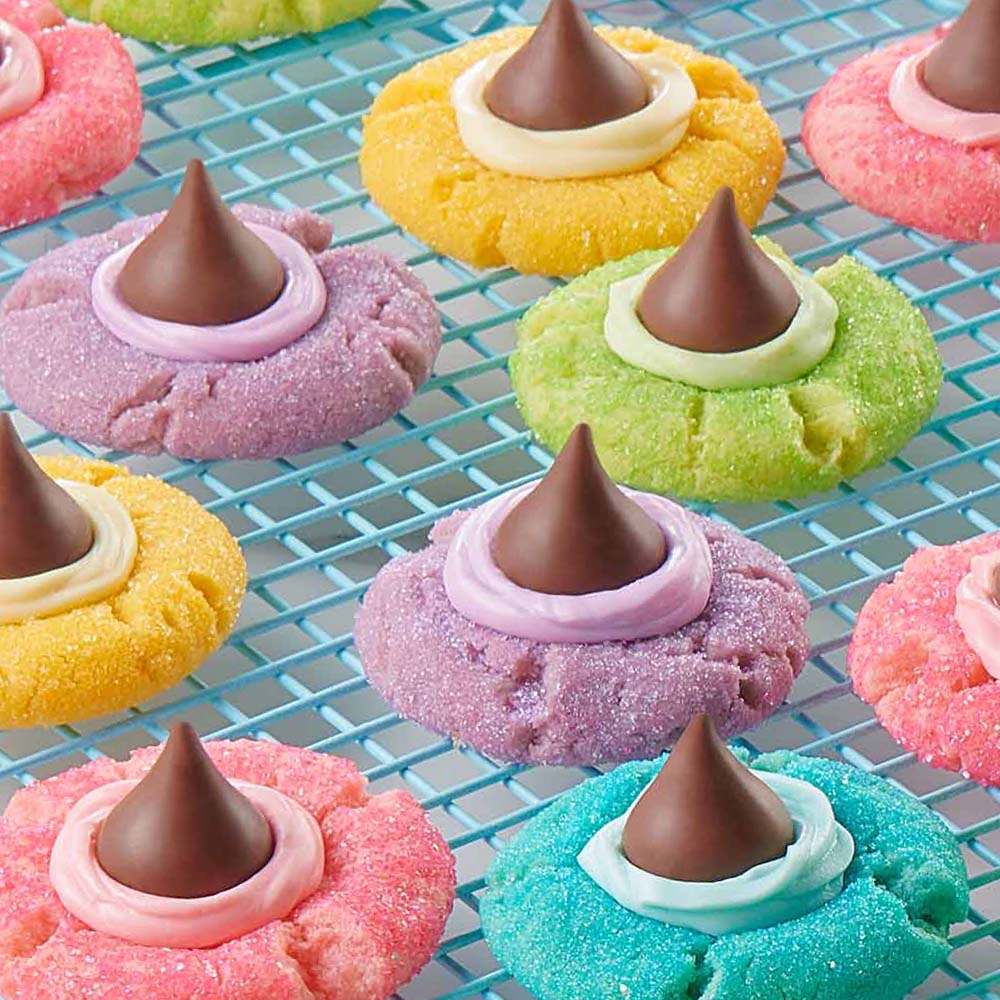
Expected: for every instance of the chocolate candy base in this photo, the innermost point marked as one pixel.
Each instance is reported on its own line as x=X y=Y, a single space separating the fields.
x=358 y=366
x=855 y=409
x=878 y=939
x=568 y=703
x=877 y=161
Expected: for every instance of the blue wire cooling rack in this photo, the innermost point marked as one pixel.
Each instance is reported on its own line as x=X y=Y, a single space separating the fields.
x=280 y=122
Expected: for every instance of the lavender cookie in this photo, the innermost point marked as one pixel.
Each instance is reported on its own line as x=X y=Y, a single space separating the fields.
x=574 y=703
x=356 y=366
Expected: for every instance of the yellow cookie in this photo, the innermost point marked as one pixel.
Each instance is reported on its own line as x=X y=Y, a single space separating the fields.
x=417 y=169
x=175 y=608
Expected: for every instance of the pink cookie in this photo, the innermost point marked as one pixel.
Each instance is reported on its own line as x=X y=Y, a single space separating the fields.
x=877 y=161
x=910 y=659
x=86 y=127
x=375 y=920
x=360 y=364
x=573 y=703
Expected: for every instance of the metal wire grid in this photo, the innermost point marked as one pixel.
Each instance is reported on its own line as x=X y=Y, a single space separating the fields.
x=280 y=122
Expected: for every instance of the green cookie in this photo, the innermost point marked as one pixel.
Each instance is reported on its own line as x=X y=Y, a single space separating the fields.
x=854 y=410
x=212 y=22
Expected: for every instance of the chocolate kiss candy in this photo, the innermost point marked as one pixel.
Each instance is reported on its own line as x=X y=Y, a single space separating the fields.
x=565 y=77
x=719 y=292
x=964 y=69
x=184 y=831
x=41 y=526
x=706 y=817
x=201 y=266
x=576 y=532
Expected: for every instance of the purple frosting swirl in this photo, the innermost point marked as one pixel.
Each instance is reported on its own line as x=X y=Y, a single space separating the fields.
x=290 y=317
x=657 y=604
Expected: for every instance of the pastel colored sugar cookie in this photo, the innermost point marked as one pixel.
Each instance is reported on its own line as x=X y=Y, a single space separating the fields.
x=72 y=118
x=215 y=22
x=923 y=654
x=782 y=411
x=208 y=365
x=560 y=662
x=858 y=905
x=416 y=161
x=74 y=646
x=347 y=899
x=887 y=144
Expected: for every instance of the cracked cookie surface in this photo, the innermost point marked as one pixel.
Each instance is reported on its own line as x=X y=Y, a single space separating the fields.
x=878 y=939
x=358 y=366
x=416 y=167
x=570 y=703
x=374 y=921
x=854 y=410
x=908 y=658
x=177 y=606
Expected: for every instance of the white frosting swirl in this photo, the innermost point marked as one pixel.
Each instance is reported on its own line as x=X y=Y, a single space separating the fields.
x=810 y=873
x=22 y=72
x=96 y=575
x=615 y=147
x=799 y=349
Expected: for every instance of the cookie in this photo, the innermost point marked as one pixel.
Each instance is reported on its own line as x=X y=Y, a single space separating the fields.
x=349 y=339
x=215 y=22
x=838 y=391
x=417 y=166
x=874 y=931
x=370 y=879
x=526 y=675
x=80 y=641
x=921 y=654
x=70 y=114
x=885 y=143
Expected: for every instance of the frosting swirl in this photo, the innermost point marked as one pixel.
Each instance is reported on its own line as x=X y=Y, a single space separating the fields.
x=662 y=602
x=797 y=350
x=92 y=896
x=613 y=147
x=22 y=73
x=920 y=109
x=98 y=574
x=810 y=874
x=977 y=612
x=293 y=314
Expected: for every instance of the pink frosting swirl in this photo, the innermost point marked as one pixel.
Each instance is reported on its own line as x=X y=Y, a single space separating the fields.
x=919 y=108
x=22 y=73
x=657 y=604
x=92 y=896
x=976 y=610
x=292 y=315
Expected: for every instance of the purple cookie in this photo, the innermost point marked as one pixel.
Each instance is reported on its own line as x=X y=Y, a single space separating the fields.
x=569 y=703
x=359 y=365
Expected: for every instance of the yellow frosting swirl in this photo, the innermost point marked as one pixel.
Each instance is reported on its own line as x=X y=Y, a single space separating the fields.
x=101 y=572
x=615 y=147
